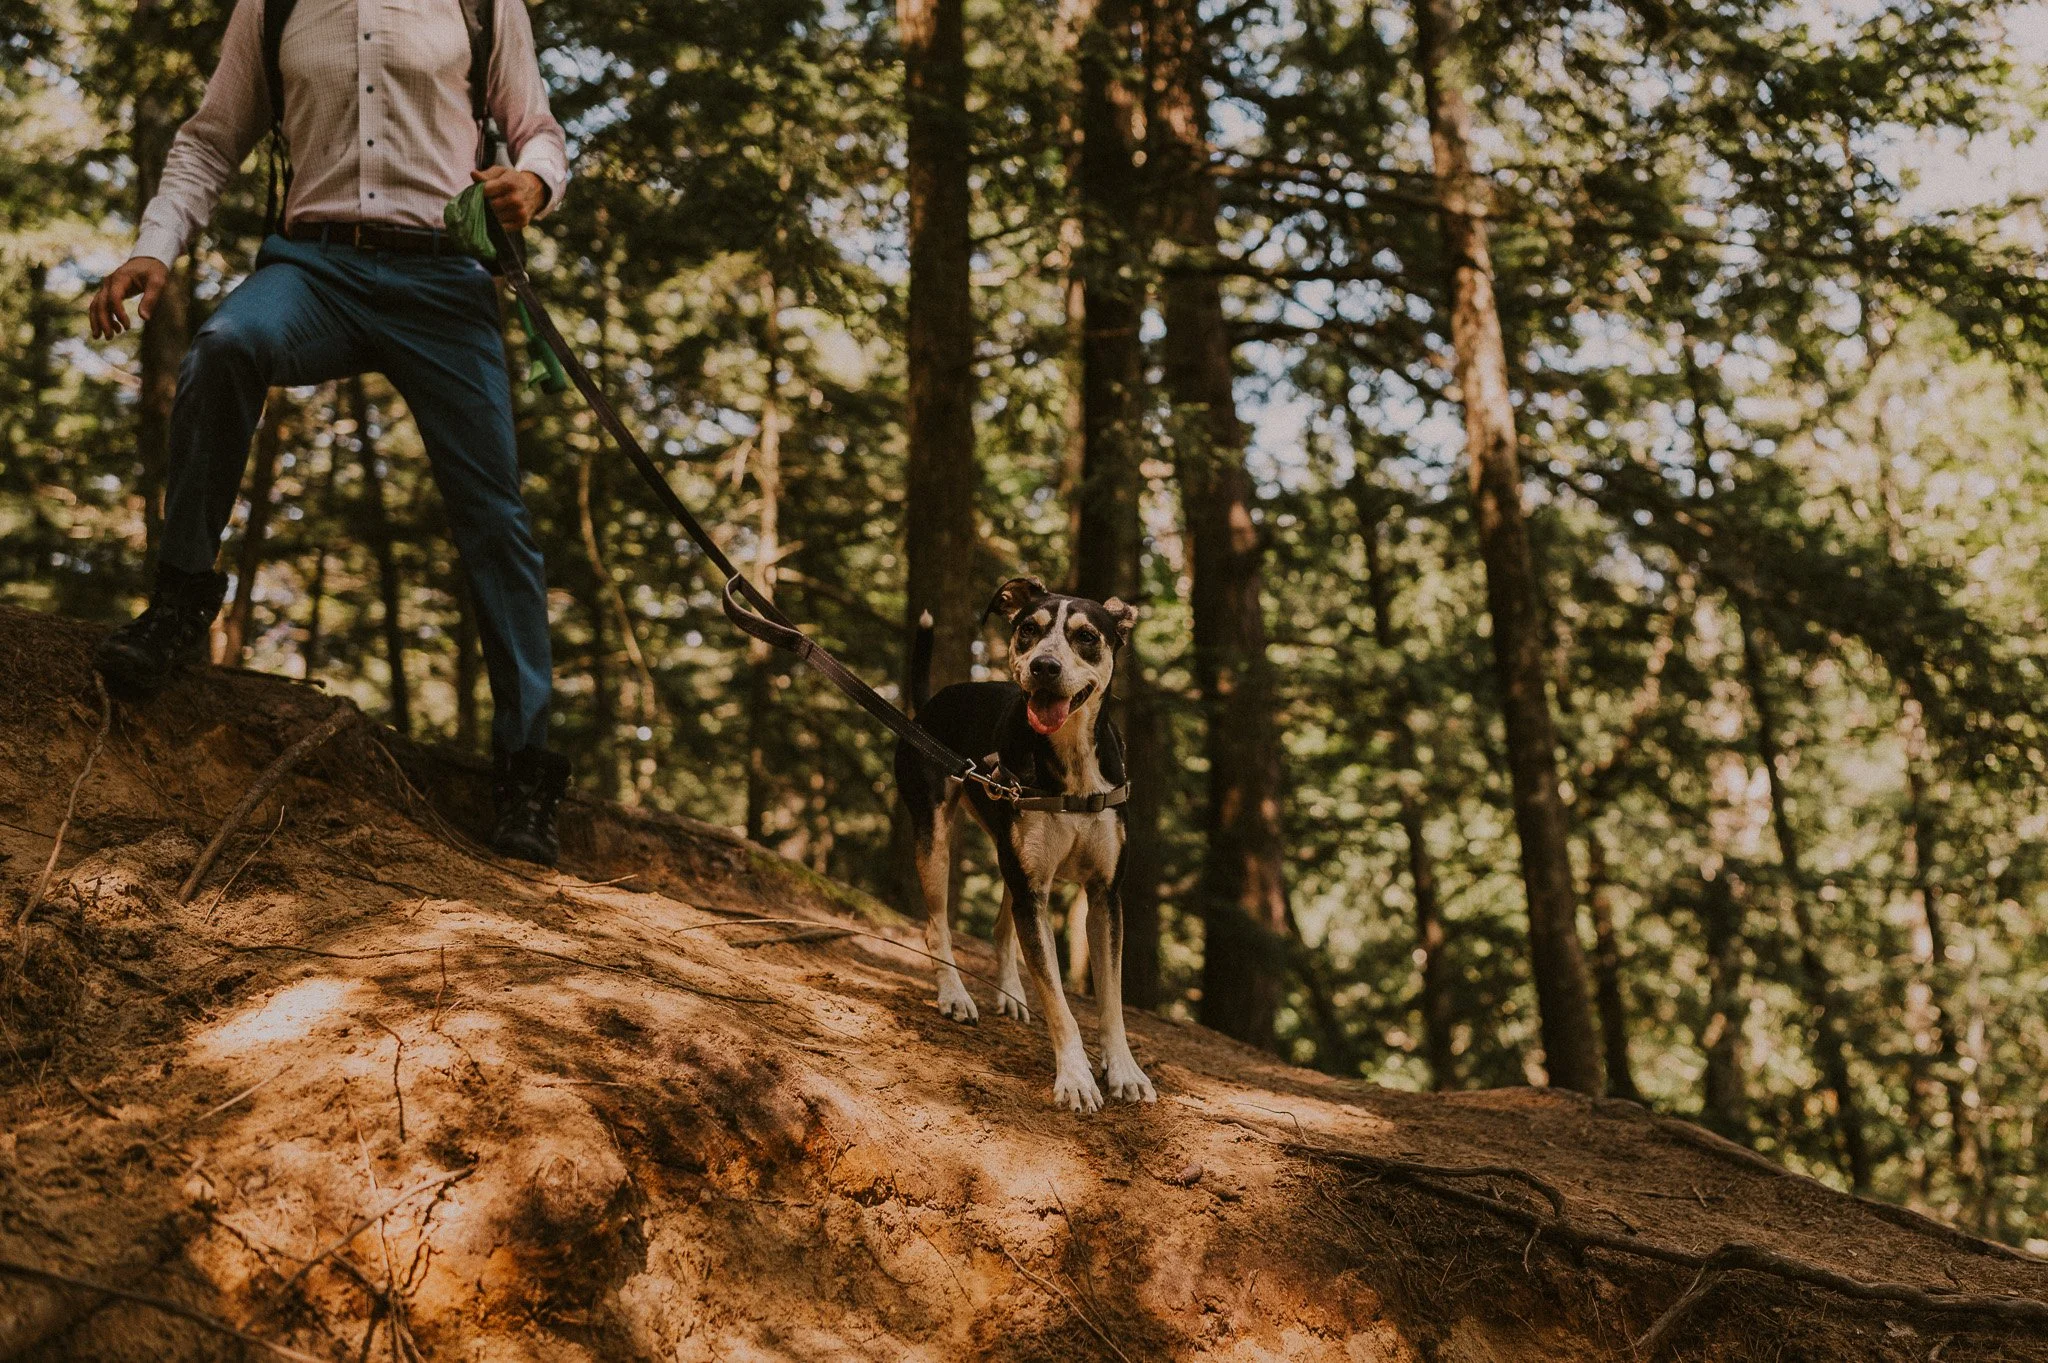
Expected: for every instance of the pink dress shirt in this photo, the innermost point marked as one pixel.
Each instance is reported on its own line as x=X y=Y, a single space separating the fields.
x=376 y=114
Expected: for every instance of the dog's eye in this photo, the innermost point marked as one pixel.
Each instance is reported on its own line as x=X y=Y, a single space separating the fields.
x=1087 y=637
x=1026 y=633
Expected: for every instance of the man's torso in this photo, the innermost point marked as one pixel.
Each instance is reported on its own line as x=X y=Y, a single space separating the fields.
x=377 y=109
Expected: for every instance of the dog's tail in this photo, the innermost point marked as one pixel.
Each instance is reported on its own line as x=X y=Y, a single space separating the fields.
x=921 y=663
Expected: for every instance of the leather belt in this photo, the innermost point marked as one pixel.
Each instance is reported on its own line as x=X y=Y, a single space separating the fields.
x=377 y=236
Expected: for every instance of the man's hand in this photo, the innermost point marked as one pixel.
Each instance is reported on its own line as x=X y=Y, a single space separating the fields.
x=514 y=195
x=145 y=275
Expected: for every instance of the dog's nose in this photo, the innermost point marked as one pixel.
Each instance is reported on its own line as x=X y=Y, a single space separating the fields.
x=1045 y=669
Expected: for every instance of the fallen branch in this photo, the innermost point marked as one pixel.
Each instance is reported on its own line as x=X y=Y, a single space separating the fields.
x=15 y=1269
x=70 y=806
x=343 y=716
x=221 y=898
x=821 y=935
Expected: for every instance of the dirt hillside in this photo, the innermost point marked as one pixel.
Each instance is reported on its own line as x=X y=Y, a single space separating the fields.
x=373 y=1094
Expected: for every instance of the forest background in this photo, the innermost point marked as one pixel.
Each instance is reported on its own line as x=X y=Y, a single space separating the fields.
x=1582 y=467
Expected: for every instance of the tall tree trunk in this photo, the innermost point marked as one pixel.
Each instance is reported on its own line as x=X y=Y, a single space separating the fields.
x=1937 y=981
x=468 y=667
x=1725 y=1108
x=942 y=475
x=1955 y=1080
x=1433 y=1000
x=1571 y=1052
x=159 y=107
x=767 y=464
x=1108 y=295
x=383 y=541
x=241 y=614
x=1242 y=889
x=1621 y=1082
x=316 y=589
x=1823 y=1001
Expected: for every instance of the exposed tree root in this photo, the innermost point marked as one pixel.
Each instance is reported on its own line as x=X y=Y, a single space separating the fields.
x=1733 y=1256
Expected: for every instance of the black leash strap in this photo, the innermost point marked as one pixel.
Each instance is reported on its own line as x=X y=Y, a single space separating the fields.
x=745 y=605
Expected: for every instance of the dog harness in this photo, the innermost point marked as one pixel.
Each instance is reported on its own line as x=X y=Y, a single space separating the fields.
x=1058 y=804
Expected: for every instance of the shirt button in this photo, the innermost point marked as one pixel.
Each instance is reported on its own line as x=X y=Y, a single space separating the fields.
x=373 y=193
x=369 y=89
x=370 y=142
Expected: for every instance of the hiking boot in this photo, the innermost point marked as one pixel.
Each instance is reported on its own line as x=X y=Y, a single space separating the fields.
x=526 y=789
x=144 y=656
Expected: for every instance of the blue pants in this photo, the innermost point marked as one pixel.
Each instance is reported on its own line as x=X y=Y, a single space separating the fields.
x=430 y=324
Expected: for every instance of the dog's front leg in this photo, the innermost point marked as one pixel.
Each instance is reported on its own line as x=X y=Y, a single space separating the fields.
x=1106 y=943
x=1073 y=1084
x=1009 y=985
x=934 y=849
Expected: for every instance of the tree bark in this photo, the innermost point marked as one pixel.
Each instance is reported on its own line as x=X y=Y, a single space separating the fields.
x=767 y=465
x=942 y=476
x=241 y=614
x=1725 y=1106
x=1571 y=1053
x=383 y=542
x=1607 y=992
x=1108 y=295
x=1956 y=1084
x=316 y=589
x=1242 y=888
x=1823 y=1002
x=1433 y=999
x=164 y=337
x=468 y=668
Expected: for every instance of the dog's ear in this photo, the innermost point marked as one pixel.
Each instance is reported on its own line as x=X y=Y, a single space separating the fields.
x=1013 y=596
x=1126 y=617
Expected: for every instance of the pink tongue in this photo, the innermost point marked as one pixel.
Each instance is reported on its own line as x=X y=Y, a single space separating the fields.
x=1047 y=716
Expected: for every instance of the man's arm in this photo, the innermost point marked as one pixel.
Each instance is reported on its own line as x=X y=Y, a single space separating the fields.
x=213 y=143
x=204 y=155
x=518 y=99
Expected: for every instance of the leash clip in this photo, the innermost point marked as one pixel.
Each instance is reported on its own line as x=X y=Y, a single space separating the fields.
x=991 y=781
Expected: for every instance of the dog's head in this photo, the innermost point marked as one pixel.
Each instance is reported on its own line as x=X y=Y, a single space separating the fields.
x=1062 y=648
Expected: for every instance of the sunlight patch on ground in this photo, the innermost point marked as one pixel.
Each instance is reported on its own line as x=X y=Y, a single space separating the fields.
x=288 y=1015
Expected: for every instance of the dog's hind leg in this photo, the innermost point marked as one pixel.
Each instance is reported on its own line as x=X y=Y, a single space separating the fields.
x=1106 y=941
x=1009 y=985
x=934 y=849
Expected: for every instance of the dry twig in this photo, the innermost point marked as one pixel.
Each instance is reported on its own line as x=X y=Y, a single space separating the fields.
x=1054 y=1290
x=70 y=806
x=362 y=1224
x=343 y=715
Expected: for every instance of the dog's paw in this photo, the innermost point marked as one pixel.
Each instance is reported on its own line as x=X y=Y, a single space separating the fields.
x=1128 y=1084
x=1010 y=1003
x=956 y=1003
x=1075 y=1090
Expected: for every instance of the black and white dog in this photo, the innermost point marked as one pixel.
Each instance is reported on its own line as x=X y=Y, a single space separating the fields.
x=1053 y=734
